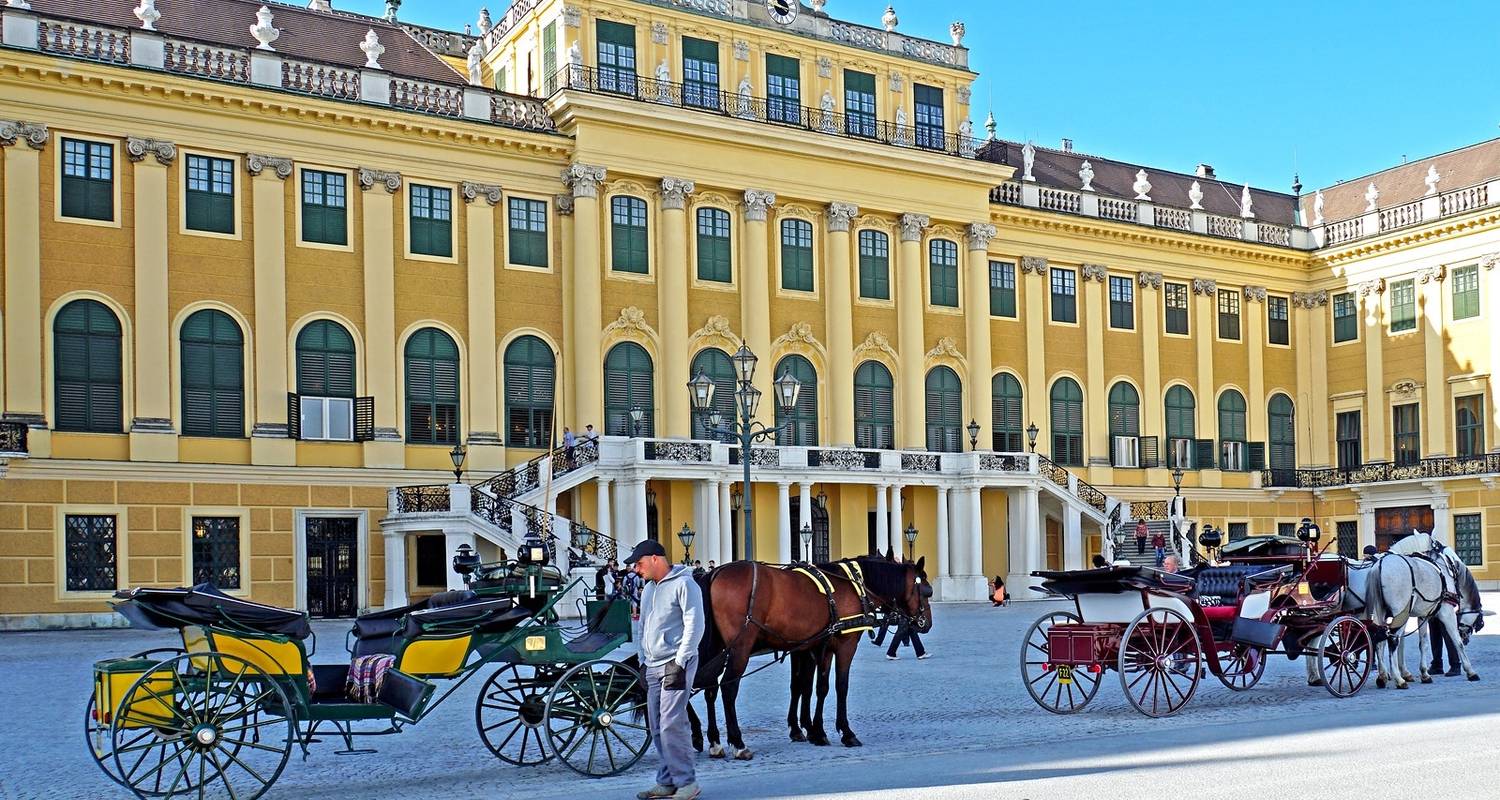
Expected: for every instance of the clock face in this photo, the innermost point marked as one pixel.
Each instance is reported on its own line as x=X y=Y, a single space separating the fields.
x=783 y=11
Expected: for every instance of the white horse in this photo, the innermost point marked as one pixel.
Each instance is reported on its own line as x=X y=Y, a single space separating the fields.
x=1460 y=614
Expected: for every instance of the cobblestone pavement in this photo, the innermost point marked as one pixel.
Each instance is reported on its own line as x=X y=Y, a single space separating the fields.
x=957 y=725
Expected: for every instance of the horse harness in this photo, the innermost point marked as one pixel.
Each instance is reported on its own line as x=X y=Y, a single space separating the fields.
x=836 y=625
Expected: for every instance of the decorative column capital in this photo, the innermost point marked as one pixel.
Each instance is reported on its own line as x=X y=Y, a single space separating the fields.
x=136 y=149
x=34 y=133
x=564 y=204
x=912 y=226
x=1205 y=287
x=1149 y=280
x=757 y=203
x=841 y=216
x=368 y=177
x=675 y=191
x=1036 y=264
x=584 y=179
x=1310 y=300
x=1368 y=288
x=1095 y=272
x=979 y=234
x=255 y=162
x=1489 y=261
x=1255 y=294
x=1432 y=274
x=472 y=191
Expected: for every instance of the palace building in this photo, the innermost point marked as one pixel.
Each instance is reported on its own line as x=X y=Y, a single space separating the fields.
x=271 y=270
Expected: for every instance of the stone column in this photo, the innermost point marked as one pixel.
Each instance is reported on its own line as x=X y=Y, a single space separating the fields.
x=381 y=358
x=152 y=437
x=1253 y=312
x=1442 y=518
x=882 y=520
x=1376 y=446
x=486 y=451
x=672 y=295
x=638 y=509
x=1367 y=525
x=395 y=569
x=804 y=518
x=897 y=543
x=755 y=295
x=567 y=397
x=783 y=523
x=726 y=524
x=1436 y=396
x=1095 y=390
x=1072 y=543
x=586 y=287
x=977 y=327
x=1309 y=337
x=1033 y=294
x=709 y=535
x=1205 y=296
x=1152 y=397
x=911 y=409
x=22 y=143
x=602 y=521
x=944 y=558
x=269 y=442
x=840 y=305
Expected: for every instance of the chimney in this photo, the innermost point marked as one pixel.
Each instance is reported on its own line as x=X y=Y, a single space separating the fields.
x=1205 y=171
x=1067 y=145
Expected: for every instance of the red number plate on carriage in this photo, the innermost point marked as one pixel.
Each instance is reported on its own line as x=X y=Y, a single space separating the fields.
x=1064 y=673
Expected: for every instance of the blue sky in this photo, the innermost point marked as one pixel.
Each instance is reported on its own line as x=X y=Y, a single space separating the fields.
x=1333 y=89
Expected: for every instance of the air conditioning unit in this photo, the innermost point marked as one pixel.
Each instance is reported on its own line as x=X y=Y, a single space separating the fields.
x=1182 y=453
x=1127 y=451
x=1232 y=456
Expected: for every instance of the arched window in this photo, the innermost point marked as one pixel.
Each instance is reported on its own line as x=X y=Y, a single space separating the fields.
x=1124 y=425
x=874 y=406
x=628 y=244
x=324 y=405
x=530 y=382
x=945 y=416
x=1232 y=455
x=86 y=368
x=714 y=363
x=1067 y=422
x=1282 y=433
x=802 y=429
x=1006 y=413
x=431 y=388
x=213 y=375
x=628 y=383
x=1180 y=427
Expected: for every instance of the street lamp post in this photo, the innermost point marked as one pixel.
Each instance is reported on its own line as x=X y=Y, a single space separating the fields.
x=686 y=536
x=911 y=541
x=457 y=455
x=1177 y=480
x=636 y=415
x=807 y=537
x=1031 y=431
x=743 y=427
x=973 y=428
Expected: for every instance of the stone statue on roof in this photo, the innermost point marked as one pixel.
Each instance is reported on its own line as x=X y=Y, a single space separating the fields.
x=1245 y=202
x=1028 y=160
x=1432 y=180
x=1086 y=174
x=476 y=54
x=1142 y=186
x=1372 y=198
x=1318 y=207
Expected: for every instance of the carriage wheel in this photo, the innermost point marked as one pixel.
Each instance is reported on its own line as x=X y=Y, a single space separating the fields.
x=96 y=726
x=1049 y=687
x=1345 y=656
x=1241 y=668
x=509 y=713
x=1160 y=662
x=222 y=731
x=596 y=718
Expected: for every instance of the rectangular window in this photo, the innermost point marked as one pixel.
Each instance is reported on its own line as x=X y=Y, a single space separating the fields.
x=324 y=207
x=1278 y=321
x=1468 y=425
x=1121 y=303
x=627 y=218
x=1347 y=533
x=927 y=101
x=1345 y=318
x=549 y=57
x=1229 y=314
x=1408 y=430
x=90 y=557
x=859 y=104
x=874 y=265
x=1238 y=531
x=700 y=73
x=528 y=232
x=616 y=57
x=1002 y=289
x=796 y=255
x=88 y=183
x=326 y=418
x=502 y=82
x=1287 y=529
x=210 y=194
x=1347 y=433
x=1177 y=308
x=1403 y=305
x=713 y=245
x=431 y=220
x=1468 y=538
x=1466 y=292
x=942 y=273
x=216 y=551
x=1064 y=295
x=783 y=89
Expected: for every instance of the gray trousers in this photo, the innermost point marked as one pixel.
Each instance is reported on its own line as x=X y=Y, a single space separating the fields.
x=666 y=716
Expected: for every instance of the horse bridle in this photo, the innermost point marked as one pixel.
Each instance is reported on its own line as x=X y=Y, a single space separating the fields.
x=1438 y=554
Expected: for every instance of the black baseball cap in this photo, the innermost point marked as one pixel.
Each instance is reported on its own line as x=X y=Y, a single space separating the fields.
x=646 y=548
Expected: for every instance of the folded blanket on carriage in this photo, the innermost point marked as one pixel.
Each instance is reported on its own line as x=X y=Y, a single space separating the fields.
x=366 y=674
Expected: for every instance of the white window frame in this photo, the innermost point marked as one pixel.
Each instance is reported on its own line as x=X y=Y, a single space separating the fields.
x=325 y=402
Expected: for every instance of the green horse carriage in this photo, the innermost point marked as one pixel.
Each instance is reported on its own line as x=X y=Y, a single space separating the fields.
x=220 y=716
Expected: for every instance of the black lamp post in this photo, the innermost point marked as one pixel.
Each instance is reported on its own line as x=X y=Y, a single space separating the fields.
x=457 y=455
x=744 y=427
x=1031 y=431
x=1177 y=480
x=911 y=541
x=807 y=537
x=973 y=428
x=686 y=536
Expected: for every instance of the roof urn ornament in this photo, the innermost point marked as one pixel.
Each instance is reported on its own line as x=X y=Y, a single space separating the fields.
x=148 y=15
x=1028 y=160
x=485 y=23
x=1245 y=203
x=1086 y=176
x=1372 y=197
x=957 y=31
x=373 y=49
x=889 y=20
x=1195 y=197
x=263 y=31
x=391 y=7
x=1318 y=207
x=989 y=126
x=817 y=5
x=1431 y=180
x=1141 y=186
x=319 y=5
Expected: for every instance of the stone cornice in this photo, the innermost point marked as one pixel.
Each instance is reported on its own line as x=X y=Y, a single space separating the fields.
x=1195 y=244
x=1337 y=255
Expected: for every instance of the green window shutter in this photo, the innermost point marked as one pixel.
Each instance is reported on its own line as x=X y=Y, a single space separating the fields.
x=324 y=205
x=874 y=265
x=700 y=73
x=502 y=82
x=944 y=406
x=796 y=255
x=783 y=89
x=88 y=189
x=325 y=360
x=716 y=365
x=527 y=229
x=616 y=57
x=1466 y=292
x=432 y=385
x=210 y=194
x=859 y=82
x=1067 y=422
x=859 y=104
x=1002 y=289
x=530 y=384
x=874 y=406
x=942 y=269
x=1124 y=411
x=628 y=244
x=628 y=383
x=700 y=50
x=87 y=368
x=1282 y=451
x=430 y=216
x=213 y=378
x=1345 y=318
x=549 y=56
x=802 y=420
x=616 y=33
x=1403 y=306
x=1006 y=413
x=713 y=245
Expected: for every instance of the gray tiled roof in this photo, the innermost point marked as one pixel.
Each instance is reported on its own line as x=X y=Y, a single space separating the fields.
x=1402 y=184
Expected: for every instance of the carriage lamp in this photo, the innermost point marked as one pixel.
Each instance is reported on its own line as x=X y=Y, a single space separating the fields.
x=973 y=428
x=457 y=455
x=636 y=415
x=744 y=364
x=787 y=389
x=1210 y=537
x=911 y=540
x=1309 y=531
x=465 y=560
x=1031 y=431
x=807 y=535
x=1177 y=479
x=686 y=536
x=701 y=390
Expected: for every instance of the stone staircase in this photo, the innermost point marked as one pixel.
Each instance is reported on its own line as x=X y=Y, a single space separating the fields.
x=1125 y=541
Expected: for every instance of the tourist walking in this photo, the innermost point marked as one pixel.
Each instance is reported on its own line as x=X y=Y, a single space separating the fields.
x=1159 y=542
x=672 y=625
x=1140 y=537
x=906 y=634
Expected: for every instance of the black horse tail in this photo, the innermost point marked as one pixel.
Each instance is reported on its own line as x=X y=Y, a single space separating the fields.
x=712 y=652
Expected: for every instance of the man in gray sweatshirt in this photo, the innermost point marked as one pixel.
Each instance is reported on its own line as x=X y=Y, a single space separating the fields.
x=672 y=621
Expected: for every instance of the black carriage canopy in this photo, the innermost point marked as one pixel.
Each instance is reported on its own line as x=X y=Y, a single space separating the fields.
x=204 y=604
x=1110 y=580
x=1263 y=546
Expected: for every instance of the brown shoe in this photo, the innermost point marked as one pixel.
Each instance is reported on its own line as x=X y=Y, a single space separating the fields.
x=656 y=792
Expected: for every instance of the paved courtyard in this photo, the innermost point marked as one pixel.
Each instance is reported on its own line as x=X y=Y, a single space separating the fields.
x=958 y=725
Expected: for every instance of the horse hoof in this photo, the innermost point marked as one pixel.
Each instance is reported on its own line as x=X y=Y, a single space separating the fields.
x=851 y=741
x=1474 y=677
x=1426 y=679
x=1380 y=683
x=1315 y=682
x=716 y=752
x=743 y=755
x=1403 y=685
x=822 y=741
x=798 y=737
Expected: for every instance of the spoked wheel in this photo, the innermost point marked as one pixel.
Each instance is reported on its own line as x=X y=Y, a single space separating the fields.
x=1160 y=662
x=223 y=731
x=96 y=723
x=510 y=711
x=1345 y=656
x=1242 y=667
x=596 y=718
x=1060 y=689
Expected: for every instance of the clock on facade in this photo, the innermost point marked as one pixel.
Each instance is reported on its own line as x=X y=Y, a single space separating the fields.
x=783 y=11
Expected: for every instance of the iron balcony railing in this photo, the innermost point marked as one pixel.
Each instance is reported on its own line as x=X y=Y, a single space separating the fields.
x=767 y=110
x=13 y=438
x=1383 y=472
